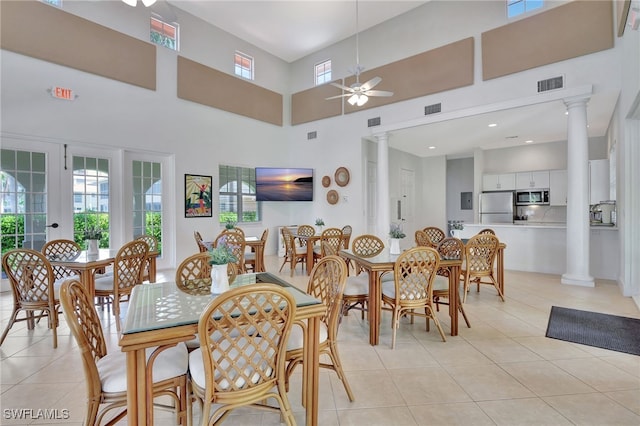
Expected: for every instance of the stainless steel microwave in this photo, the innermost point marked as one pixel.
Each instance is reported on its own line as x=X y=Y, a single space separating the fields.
x=532 y=197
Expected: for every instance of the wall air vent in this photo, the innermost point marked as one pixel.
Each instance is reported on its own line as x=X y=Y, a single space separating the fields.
x=432 y=109
x=551 y=84
x=312 y=135
x=372 y=122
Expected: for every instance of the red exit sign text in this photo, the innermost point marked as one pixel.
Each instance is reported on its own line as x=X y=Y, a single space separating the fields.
x=62 y=93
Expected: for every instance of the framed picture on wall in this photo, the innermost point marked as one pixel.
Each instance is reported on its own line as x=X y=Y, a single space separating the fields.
x=197 y=196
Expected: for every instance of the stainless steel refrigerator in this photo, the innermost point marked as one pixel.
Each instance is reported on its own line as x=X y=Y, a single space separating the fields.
x=496 y=207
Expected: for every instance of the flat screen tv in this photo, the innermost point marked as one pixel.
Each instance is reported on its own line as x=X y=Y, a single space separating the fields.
x=284 y=184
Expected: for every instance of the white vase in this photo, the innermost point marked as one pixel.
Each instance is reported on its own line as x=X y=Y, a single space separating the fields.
x=394 y=248
x=318 y=229
x=219 y=279
x=92 y=247
x=455 y=233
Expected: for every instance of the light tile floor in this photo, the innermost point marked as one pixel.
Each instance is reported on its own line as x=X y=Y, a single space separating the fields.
x=502 y=371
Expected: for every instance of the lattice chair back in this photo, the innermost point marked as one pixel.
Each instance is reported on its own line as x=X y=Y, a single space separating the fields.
x=480 y=254
x=243 y=336
x=61 y=250
x=347 y=230
x=152 y=242
x=235 y=229
x=333 y=238
x=450 y=248
x=414 y=272
x=305 y=231
x=435 y=235
x=202 y=248
x=326 y=282
x=128 y=265
x=487 y=231
x=236 y=241
x=367 y=245
x=422 y=239
x=193 y=275
x=32 y=283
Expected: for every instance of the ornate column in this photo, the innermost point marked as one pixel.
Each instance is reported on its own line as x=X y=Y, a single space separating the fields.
x=578 y=230
x=383 y=202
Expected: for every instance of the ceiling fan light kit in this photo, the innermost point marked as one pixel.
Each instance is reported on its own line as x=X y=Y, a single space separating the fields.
x=359 y=93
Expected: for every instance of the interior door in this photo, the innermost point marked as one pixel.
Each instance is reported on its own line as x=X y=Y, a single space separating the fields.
x=407 y=201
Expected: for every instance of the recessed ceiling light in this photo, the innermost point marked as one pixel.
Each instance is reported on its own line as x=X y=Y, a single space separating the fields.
x=432 y=147
x=492 y=125
x=566 y=113
x=529 y=141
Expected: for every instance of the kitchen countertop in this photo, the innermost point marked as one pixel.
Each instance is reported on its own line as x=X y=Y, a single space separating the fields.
x=534 y=224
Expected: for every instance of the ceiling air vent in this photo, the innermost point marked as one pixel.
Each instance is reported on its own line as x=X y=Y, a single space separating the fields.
x=312 y=135
x=432 y=109
x=550 y=84
x=372 y=122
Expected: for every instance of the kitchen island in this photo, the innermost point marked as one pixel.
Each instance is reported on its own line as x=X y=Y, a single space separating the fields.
x=541 y=247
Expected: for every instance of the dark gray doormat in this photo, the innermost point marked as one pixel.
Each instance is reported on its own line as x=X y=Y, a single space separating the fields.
x=605 y=331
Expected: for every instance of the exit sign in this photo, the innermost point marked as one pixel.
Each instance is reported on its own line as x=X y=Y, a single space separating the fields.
x=62 y=93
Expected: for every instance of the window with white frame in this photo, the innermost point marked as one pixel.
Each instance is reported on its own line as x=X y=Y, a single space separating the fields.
x=237 y=194
x=147 y=199
x=243 y=65
x=164 y=34
x=56 y=3
x=323 y=72
x=518 y=7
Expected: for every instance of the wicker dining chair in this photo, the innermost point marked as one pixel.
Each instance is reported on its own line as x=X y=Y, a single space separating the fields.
x=149 y=268
x=34 y=288
x=435 y=235
x=356 y=291
x=480 y=256
x=250 y=257
x=326 y=282
x=241 y=360
x=202 y=247
x=234 y=240
x=106 y=373
x=487 y=231
x=127 y=273
x=333 y=239
x=449 y=248
x=294 y=254
x=306 y=231
x=412 y=288
x=61 y=249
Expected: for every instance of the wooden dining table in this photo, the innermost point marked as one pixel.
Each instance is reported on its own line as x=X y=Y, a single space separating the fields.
x=160 y=315
x=384 y=262
x=87 y=265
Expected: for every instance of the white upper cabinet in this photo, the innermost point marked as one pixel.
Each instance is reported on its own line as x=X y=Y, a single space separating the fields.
x=558 y=187
x=530 y=180
x=499 y=182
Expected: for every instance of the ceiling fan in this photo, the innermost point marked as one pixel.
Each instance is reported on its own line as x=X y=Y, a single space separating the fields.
x=359 y=93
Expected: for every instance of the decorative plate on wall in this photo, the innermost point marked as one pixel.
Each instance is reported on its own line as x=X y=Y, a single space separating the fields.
x=332 y=196
x=342 y=176
x=326 y=181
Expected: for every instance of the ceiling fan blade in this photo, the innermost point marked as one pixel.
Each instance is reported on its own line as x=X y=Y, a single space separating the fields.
x=378 y=93
x=370 y=84
x=340 y=86
x=338 y=96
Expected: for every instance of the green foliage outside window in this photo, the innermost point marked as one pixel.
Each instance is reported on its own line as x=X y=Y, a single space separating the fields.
x=163 y=40
x=12 y=226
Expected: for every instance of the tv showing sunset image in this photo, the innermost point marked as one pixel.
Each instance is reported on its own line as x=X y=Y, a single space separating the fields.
x=283 y=184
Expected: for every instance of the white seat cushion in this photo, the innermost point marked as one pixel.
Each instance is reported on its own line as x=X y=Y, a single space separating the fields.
x=112 y=368
x=358 y=285
x=104 y=283
x=249 y=256
x=296 y=336
x=440 y=283
x=386 y=277
x=196 y=367
x=389 y=289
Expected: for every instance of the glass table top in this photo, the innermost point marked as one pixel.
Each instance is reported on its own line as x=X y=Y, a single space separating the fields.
x=163 y=305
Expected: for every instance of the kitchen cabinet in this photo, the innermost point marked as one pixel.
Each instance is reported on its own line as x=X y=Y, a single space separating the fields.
x=529 y=180
x=499 y=182
x=598 y=181
x=558 y=187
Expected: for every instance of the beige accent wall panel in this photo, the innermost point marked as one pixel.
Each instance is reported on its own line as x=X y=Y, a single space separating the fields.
x=311 y=104
x=574 y=29
x=622 y=13
x=207 y=86
x=35 y=29
x=444 y=68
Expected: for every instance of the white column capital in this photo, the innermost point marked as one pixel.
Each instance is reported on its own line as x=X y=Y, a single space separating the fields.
x=573 y=101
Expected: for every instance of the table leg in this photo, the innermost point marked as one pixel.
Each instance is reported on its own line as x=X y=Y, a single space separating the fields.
x=373 y=309
x=454 y=297
x=88 y=279
x=152 y=269
x=260 y=258
x=311 y=371
x=137 y=389
x=309 y=256
x=501 y=270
